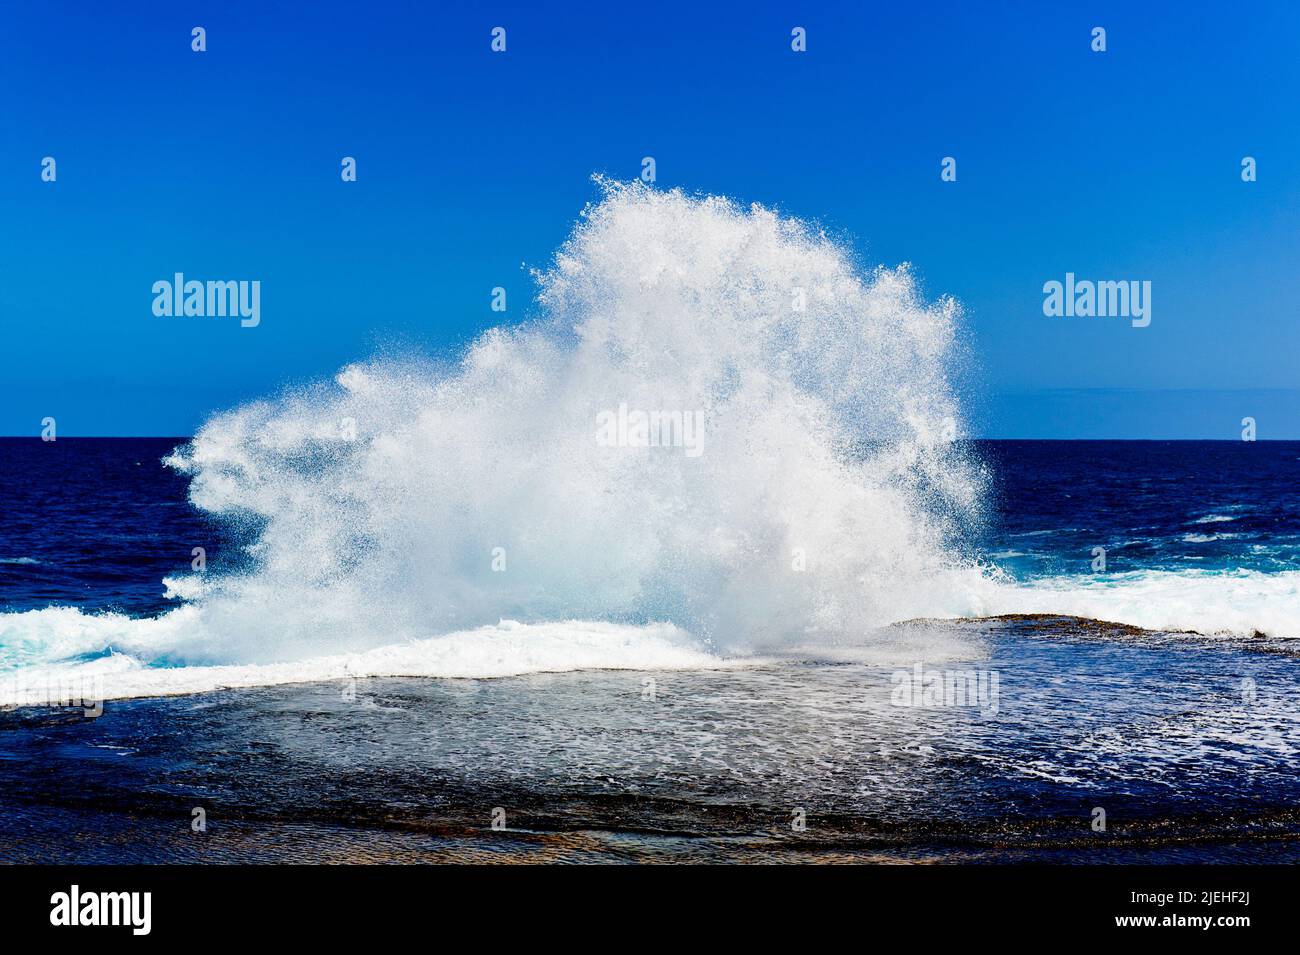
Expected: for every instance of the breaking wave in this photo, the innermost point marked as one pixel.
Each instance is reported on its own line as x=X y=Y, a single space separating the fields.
x=403 y=500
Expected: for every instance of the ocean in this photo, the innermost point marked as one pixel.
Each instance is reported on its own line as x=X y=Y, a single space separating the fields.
x=1146 y=712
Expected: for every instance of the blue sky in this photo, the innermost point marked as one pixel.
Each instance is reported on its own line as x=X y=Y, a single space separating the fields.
x=472 y=166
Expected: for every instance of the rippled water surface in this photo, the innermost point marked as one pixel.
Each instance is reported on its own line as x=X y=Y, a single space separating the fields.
x=1189 y=746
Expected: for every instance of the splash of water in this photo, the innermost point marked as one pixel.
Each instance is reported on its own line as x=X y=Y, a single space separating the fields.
x=404 y=500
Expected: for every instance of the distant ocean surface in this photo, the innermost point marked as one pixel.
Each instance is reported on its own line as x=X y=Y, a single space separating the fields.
x=95 y=524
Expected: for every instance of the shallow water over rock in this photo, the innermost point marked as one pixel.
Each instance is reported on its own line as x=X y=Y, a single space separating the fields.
x=1189 y=747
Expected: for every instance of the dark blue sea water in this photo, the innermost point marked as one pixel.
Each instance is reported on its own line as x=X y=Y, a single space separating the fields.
x=1153 y=505
x=98 y=523
x=1191 y=744
x=95 y=523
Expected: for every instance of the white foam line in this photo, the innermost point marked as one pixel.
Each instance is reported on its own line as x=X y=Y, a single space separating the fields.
x=505 y=650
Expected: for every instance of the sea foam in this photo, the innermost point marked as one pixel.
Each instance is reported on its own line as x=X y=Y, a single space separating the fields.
x=1213 y=603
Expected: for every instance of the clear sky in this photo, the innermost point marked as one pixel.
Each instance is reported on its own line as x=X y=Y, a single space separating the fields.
x=473 y=165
